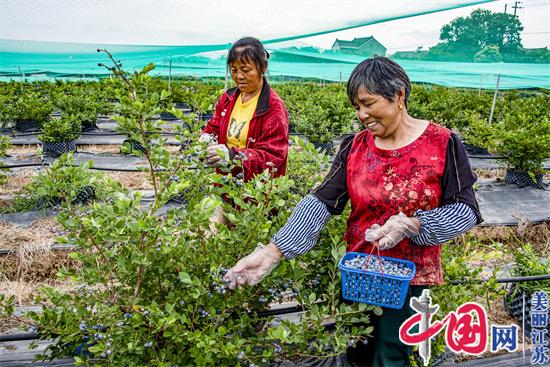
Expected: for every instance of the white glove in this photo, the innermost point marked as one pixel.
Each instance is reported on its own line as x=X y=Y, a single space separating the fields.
x=396 y=228
x=210 y=139
x=251 y=269
x=217 y=155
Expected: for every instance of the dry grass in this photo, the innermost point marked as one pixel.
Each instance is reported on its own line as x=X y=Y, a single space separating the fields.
x=17 y=150
x=25 y=291
x=132 y=180
x=15 y=183
x=32 y=257
x=96 y=148
x=490 y=173
x=37 y=265
x=525 y=232
x=41 y=231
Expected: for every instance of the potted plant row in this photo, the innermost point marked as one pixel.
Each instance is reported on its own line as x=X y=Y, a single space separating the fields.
x=26 y=111
x=59 y=135
x=521 y=138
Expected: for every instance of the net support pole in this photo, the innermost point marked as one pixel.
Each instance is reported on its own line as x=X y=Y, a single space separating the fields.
x=169 y=73
x=523 y=318
x=226 y=77
x=494 y=100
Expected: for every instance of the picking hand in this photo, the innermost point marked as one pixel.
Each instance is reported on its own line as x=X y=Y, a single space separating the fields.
x=210 y=139
x=217 y=155
x=396 y=228
x=251 y=269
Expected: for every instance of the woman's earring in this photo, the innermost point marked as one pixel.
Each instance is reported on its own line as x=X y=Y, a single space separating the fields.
x=400 y=106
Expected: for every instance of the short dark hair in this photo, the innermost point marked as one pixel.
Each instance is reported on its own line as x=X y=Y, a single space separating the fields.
x=249 y=49
x=378 y=75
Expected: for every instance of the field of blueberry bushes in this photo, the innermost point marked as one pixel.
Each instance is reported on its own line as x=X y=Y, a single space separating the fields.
x=136 y=277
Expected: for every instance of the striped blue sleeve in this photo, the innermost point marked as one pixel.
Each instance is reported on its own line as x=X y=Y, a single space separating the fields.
x=442 y=224
x=301 y=231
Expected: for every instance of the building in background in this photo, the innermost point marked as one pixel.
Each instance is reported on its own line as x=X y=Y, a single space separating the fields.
x=365 y=46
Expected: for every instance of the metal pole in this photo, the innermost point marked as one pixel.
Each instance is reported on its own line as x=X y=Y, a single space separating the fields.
x=523 y=320
x=169 y=72
x=226 y=77
x=494 y=100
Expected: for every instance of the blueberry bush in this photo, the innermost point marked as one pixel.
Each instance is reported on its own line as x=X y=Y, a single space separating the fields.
x=150 y=274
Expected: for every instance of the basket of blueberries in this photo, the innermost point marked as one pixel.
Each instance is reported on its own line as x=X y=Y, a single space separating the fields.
x=376 y=280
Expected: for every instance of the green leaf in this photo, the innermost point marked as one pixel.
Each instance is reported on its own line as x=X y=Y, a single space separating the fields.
x=184 y=278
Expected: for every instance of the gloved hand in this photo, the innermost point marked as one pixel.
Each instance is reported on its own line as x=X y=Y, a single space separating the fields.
x=217 y=155
x=251 y=269
x=210 y=139
x=396 y=228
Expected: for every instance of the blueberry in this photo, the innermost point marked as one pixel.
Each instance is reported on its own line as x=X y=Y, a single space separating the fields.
x=262 y=299
x=240 y=355
x=127 y=315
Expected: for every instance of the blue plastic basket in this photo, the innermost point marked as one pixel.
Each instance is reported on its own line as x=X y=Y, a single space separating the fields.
x=371 y=287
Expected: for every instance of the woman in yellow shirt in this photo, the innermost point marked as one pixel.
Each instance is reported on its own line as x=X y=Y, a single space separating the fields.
x=250 y=121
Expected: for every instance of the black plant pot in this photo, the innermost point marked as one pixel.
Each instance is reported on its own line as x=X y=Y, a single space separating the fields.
x=26 y=126
x=47 y=202
x=475 y=150
x=513 y=303
x=56 y=149
x=324 y=147
x=89 y=126
x=522 y=178
x=134 y=145
x=84 y=195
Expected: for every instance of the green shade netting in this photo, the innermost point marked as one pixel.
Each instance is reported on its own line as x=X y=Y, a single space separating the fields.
x=67 y=33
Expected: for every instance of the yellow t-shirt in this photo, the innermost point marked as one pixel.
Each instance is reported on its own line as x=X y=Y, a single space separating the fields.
x=239 y=122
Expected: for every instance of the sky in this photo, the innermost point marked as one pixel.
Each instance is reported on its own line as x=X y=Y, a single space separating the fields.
x=411 y=33
x=184 y=22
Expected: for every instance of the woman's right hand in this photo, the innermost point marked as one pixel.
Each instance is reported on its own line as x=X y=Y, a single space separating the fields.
x=253 y=268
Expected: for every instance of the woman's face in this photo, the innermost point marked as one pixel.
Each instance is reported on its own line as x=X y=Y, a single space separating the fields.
x=246 y=75
x=377 y=114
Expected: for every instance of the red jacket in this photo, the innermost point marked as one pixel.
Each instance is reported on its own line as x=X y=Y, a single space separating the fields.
x=267 y=139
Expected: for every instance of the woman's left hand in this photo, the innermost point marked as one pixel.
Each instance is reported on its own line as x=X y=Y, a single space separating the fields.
x=396 y=228
x=217 y=155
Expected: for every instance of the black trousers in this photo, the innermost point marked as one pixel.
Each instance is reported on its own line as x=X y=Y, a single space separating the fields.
x=385 y=349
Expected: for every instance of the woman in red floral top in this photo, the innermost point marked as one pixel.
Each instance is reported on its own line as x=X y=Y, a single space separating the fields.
x=409 y=183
